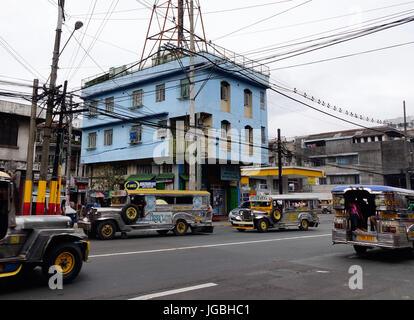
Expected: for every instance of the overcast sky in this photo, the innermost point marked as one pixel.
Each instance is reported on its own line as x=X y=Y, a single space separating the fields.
x=373 y=84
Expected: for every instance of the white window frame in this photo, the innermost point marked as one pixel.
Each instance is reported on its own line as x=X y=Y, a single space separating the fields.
x=160 y=93
x=108 y=137
x=92 y=140
x=137 y=98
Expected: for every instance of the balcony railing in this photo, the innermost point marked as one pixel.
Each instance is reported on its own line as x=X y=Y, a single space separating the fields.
x=166 y=56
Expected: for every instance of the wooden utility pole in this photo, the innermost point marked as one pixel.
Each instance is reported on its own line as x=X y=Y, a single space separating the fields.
x=279 y=161
x=47 y=131
x=54 y=206
x=69 y=154
x=192 y=159
x=28 y=187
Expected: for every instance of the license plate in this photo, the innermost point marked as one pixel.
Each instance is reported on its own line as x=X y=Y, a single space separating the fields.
x=366 y=238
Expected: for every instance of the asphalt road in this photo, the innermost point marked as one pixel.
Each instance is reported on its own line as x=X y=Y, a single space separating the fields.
x=227 y=265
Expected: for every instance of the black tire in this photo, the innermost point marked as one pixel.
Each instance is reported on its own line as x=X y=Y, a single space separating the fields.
x=180 y=228
x=106 y=230
x=66 y=255
x=262 y=225
x=276 y=215
x=360 y=250
x=130 y=213
x=304 y=225
x=162 y=232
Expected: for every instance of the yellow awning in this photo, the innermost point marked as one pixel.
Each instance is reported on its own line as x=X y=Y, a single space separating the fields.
x=285 y=172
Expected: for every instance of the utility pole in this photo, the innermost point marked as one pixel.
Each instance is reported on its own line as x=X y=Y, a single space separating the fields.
x=41 y=194
x=30 y=151
x=69 y=153
x=405 y=121
x=279 y=161
x=192 y=99
x=54 y=207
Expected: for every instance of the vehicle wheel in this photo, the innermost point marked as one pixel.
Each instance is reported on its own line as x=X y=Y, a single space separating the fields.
x=360 y=250
x=68 y=257
x=262 y=225
x=106 y=230
x=304 y=225
x=276 y=215
x=130 y=213
x=180 y=228
x=162 y=232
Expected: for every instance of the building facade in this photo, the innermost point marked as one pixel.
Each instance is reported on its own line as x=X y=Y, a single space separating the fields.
x=14 y=140
x=139 y=122
x=379 y=156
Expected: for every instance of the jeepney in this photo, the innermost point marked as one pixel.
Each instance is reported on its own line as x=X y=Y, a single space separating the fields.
x=385 y=220
x=156 y=210
x=31 y=241
x=276 y=212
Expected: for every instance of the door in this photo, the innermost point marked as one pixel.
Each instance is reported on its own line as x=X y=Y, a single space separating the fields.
x=233 y=201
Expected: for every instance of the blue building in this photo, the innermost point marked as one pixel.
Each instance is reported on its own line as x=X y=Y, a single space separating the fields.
x=138 y=122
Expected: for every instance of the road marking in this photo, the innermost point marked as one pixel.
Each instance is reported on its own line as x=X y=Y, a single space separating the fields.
x=172 y=292
x=206 y=246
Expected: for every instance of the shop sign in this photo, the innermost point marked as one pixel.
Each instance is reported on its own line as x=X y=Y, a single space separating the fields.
x=230 y=173
x=136 y=185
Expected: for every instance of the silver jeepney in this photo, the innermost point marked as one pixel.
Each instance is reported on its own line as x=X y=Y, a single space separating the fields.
x=30 y=241
x=276 y=212
x=387 y=217
x=155 y=210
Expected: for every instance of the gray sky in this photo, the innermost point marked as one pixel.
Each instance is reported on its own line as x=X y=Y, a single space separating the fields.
x=373 y=84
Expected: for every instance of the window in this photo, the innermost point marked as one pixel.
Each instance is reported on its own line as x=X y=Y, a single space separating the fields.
x=184 y=200
x=184 y=88
x=108 y=135
x=262 y=100
x=263 y=135
x=109 y=104
x=349 y=179
x=9 y=131
x=224 y=92
x=93 y=109
x=144 y=169
x=92 y=140
x=249 y=139
x=160 y=93
x=135 y=135
x=225 y=135
x=248 y=109
x=225 y=96
x=137 y=98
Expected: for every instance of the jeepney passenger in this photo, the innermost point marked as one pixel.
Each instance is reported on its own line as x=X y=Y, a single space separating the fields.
x=355 y=215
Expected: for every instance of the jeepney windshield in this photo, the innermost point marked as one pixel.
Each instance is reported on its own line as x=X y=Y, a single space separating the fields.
x=261 y=204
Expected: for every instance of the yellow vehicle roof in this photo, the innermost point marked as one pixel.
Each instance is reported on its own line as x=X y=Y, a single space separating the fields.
x=170 y=192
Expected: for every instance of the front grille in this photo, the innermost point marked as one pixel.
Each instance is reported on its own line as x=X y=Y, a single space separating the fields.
x=246 y=216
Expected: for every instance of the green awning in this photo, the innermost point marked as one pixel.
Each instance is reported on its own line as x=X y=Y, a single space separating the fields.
x=184 y=177
x=165 y=176
x=141 y=177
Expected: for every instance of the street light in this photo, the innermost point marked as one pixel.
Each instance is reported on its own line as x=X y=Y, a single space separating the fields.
x=78 y=25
